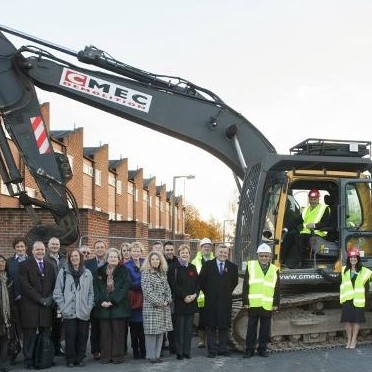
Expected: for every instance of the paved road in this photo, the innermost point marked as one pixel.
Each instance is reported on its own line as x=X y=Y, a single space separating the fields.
x=337 y=360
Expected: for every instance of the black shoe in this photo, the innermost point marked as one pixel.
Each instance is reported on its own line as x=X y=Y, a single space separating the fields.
x=70 y=365
x=263 y=353
x=187 y=356
x=59 y=352
x=225 y=353
x=248 y=354
x=179 y=357
x=12 y=361
x=211 y=354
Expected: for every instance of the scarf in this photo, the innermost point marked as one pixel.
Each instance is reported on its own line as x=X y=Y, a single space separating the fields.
x=5 y=298
x=76 y=274
x=110 y=279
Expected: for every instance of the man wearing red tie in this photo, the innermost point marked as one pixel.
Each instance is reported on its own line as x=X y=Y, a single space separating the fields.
x=218 y=278
x=36 y=278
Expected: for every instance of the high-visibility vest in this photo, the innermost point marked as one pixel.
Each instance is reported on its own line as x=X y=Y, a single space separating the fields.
x=261 y=286
x=197 y=262
x=313 y=216
x=356 y=293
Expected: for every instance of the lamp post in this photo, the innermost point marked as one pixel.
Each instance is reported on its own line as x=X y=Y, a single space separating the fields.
x=224 y=228
x=188 y=177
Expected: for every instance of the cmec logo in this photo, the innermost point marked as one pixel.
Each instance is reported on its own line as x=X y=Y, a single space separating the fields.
x=105 y=90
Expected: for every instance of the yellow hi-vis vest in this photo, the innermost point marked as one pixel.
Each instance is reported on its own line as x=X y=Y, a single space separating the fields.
x=313 y=216
x=197 y=262
x=261 y=287
x=356 y=293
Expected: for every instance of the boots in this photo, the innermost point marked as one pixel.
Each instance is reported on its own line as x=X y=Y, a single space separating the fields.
x=202 y=339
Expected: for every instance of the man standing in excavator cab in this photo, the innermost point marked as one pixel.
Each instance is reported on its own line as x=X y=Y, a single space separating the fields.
x=296 y=244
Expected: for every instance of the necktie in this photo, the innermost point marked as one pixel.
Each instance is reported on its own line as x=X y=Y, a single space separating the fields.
x=221 y=268
x=41 y=267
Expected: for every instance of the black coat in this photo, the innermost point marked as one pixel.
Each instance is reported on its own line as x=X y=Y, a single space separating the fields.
x=34 y=287
x=218 y=291
x=183 y=281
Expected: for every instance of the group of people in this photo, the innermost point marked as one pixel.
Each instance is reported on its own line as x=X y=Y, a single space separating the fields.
x=154 y=296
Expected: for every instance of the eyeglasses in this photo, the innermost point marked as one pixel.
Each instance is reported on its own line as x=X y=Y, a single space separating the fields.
x=85 y=252
x=264 y=255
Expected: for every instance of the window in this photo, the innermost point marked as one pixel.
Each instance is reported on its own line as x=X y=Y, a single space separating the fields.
x=119 y=186
x=130 y=188
x=87 y=169
x=111 y=180
x=98 y=177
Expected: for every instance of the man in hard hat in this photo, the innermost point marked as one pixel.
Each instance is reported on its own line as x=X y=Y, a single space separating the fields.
x=261 y=297
x=205 y=254
x=218 y=279
x=314 y=217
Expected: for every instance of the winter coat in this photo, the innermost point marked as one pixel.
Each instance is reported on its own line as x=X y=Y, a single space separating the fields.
x=33 y=287
x=218 y=291
x=12 y=266
x=74 y=302
x=184 y=281
x=135 y=274
x=156 y=318
x=119 y=296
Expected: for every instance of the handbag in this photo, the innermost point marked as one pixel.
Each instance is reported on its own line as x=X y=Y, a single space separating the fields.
x=14 y=344
x=135 y=299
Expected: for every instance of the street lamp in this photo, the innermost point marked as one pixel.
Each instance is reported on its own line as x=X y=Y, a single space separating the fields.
x=188 y=177
x=224 y=228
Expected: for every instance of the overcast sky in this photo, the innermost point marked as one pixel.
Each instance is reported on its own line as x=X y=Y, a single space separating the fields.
x=295 y=69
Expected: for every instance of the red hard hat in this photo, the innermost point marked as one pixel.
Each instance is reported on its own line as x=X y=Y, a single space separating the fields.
x=314 y=193
x=353 y=252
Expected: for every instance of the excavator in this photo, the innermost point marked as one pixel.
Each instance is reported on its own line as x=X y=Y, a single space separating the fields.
x=272 y=186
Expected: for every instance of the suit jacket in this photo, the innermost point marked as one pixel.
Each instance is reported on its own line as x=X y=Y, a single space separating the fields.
x=12 y=265
x=218 y=291
x=92 y=265
x=33 y=287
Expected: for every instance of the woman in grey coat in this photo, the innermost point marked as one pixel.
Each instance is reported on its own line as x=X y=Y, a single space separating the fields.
x=74 y=296
x=157 y=299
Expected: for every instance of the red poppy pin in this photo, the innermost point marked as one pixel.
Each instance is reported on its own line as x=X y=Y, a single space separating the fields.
x=191 y=273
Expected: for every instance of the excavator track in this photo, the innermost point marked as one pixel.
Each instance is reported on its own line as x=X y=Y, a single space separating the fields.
x=306 y=321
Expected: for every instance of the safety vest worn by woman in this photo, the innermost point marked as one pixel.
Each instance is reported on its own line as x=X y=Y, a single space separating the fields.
x=356 y=293
x=197 y=262
x=261 y=287
x=313 y=216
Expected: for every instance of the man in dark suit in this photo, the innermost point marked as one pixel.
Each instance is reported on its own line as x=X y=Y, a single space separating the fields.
x=218 y=278
x=36 y=281
x=93 y=264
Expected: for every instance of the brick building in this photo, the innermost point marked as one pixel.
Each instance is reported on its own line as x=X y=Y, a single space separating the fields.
x=113 y=201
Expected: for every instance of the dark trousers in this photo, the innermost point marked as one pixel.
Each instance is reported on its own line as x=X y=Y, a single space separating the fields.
x=29 y=342
x=76 y=338
x=183 y=333
x=95 y=333
x=137 y=337
x=264 y=333
x=171 y=337
x=112 y=339
x=212 y=339
x=56 y=329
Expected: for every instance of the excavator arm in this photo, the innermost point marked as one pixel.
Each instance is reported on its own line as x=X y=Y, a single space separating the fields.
x=169 y=105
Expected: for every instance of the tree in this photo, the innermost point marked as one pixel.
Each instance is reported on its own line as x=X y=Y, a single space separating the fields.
x=199 y=229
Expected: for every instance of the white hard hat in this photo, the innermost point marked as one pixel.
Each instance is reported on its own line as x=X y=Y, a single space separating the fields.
x=205 y=241
x=263 y=248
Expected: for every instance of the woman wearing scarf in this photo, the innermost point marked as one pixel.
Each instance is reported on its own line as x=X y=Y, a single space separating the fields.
x=184 y=282
x=74 y=296
x=6 y=312
x=157 y=299
x=111 y=286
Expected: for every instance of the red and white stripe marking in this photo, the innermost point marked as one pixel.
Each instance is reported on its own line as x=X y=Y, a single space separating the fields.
x=41 y=135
